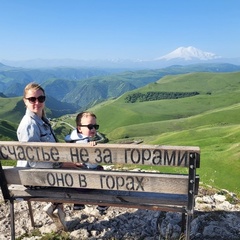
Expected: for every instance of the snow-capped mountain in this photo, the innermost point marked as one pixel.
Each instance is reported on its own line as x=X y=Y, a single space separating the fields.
x=189 y=53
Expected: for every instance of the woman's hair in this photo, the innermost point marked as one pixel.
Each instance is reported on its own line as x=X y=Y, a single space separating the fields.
x=84 y=114
x=34 y=86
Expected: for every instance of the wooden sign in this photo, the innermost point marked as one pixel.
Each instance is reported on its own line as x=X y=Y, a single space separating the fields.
x=107 y=180
x=155 y=155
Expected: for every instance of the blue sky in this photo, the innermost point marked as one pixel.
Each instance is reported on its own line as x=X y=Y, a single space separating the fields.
x=109 y=29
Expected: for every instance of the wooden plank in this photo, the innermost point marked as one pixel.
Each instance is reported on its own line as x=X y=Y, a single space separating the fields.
x=157 y=201
x=108 y=180
x=155 y=155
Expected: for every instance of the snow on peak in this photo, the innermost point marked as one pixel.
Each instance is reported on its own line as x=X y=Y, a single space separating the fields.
x=189 y=53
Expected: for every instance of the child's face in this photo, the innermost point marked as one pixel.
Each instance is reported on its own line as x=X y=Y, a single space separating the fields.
x=86 y=120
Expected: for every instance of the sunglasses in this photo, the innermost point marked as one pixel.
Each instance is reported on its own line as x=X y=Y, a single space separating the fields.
x=90 y=126
x=40 y=99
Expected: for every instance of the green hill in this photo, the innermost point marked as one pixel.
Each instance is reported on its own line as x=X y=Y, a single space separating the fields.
x=8 y=131
x=215 y=91
x=210 y=120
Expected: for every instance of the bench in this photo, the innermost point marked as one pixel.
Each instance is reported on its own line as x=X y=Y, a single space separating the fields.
x=130 y=189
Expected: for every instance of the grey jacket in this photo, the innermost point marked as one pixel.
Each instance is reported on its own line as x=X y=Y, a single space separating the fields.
x=34 y=129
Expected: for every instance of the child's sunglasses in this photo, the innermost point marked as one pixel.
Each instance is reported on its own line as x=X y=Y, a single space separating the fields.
x=40 y=99
x=90 y=126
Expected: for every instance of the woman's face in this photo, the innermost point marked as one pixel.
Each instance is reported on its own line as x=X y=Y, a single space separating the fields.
x=33 y=103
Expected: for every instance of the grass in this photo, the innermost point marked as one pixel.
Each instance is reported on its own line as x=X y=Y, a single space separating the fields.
x=48 y=236
x=220 y=154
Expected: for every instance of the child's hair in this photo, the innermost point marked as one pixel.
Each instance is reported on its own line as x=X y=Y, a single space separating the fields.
x=83 y=114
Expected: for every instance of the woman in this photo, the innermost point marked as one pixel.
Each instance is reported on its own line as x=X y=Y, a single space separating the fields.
x=35 y=127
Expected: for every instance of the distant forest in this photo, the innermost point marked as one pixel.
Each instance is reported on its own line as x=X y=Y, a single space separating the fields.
x=153 y=96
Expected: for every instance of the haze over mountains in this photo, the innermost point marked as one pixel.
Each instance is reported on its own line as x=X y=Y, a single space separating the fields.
x=181 y=55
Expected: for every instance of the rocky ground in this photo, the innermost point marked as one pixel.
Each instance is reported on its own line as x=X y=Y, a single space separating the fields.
x=215 y=218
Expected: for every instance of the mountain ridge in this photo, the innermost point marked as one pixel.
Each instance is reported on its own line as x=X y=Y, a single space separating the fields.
x=181 y=55
x=82 y=88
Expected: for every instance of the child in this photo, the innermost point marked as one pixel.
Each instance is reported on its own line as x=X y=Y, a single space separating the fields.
x=85 y=132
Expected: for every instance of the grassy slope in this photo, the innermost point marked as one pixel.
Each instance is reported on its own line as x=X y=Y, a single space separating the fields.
x=209 y=121
x=10 y=109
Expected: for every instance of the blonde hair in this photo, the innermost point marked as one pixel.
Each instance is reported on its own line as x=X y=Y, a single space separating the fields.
x=34 y=86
